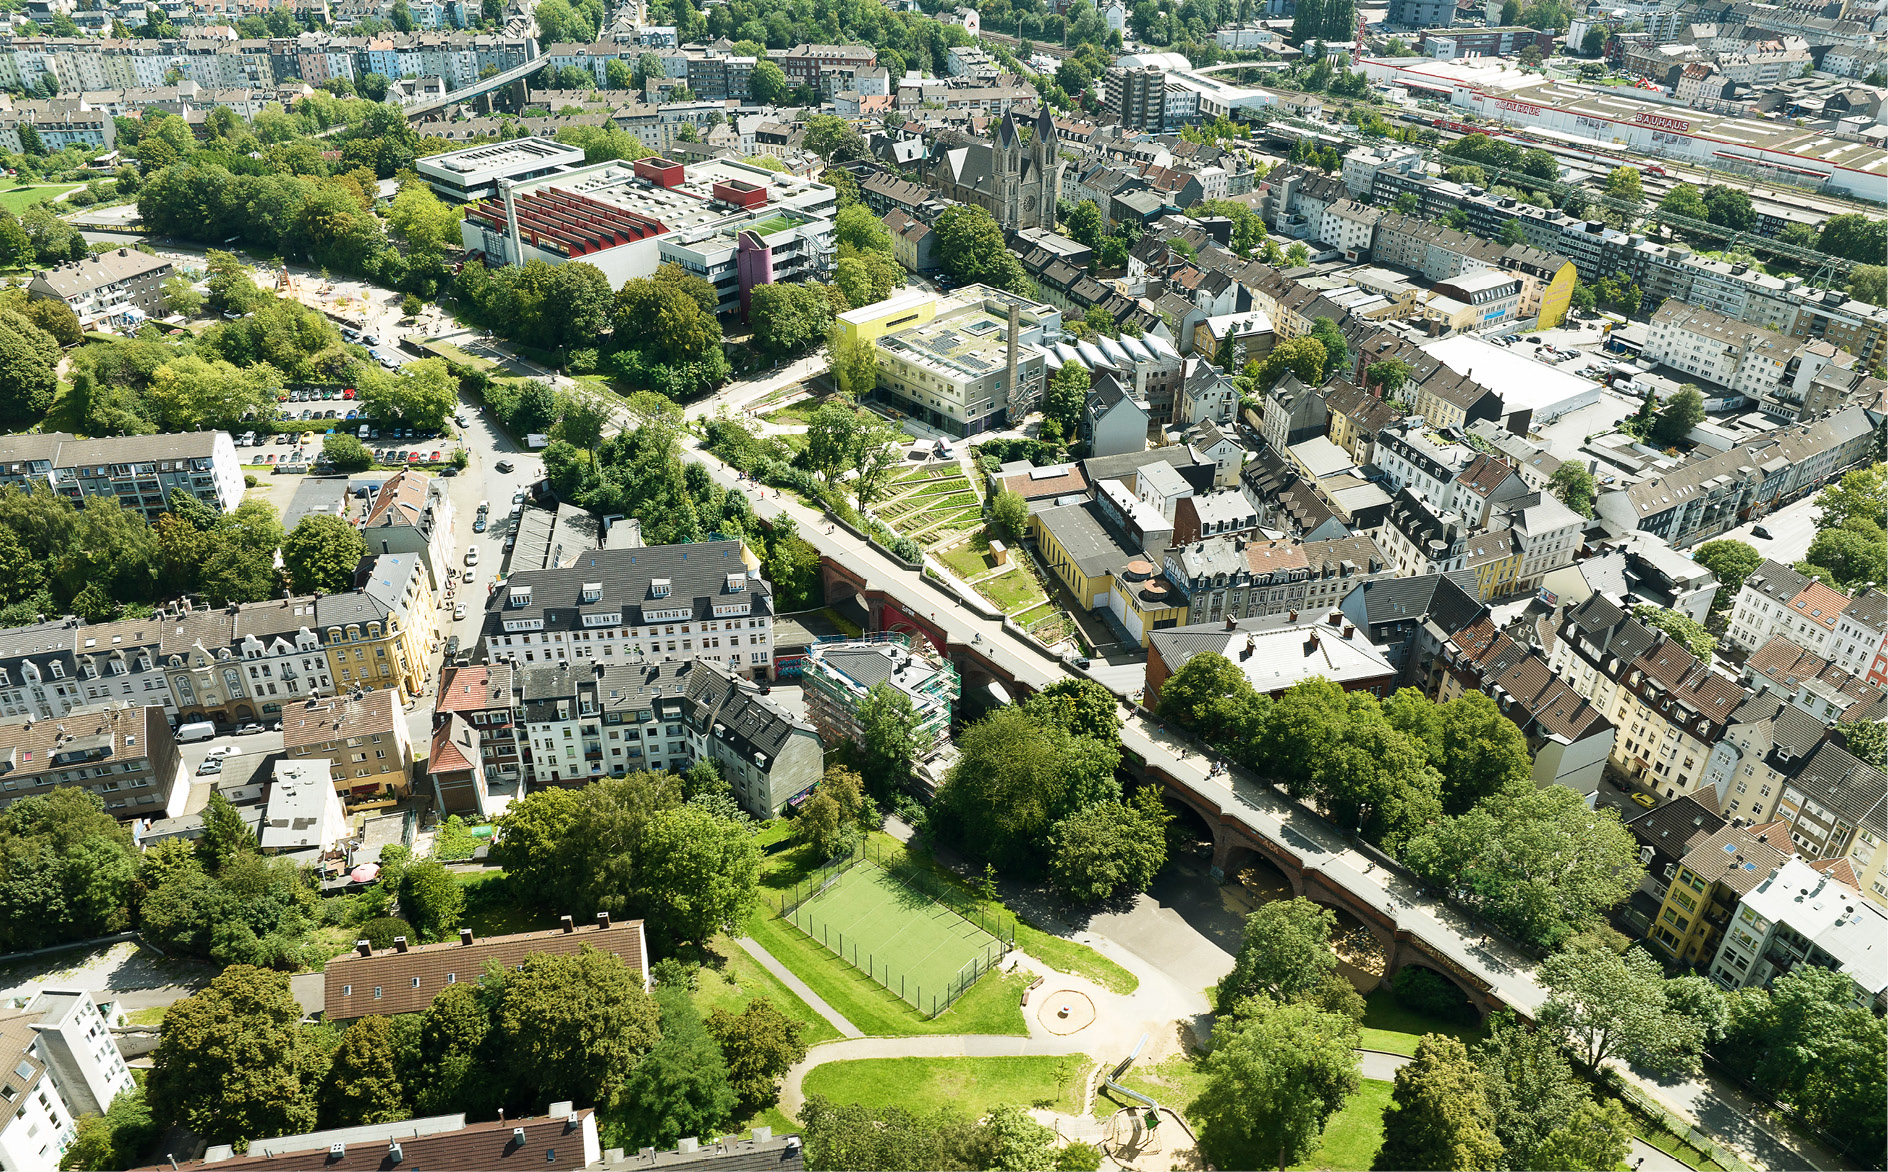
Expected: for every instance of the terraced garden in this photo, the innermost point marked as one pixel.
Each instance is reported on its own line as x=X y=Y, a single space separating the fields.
x=931 y=502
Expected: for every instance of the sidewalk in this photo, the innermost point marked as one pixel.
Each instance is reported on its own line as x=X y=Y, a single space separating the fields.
x=800 y=988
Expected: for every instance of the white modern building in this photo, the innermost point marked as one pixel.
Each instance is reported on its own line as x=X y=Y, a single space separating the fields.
x=1802 y=915
x=58 y=1061
x=735 y=224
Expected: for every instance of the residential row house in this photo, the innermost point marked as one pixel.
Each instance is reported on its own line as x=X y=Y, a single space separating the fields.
x=1670 y=710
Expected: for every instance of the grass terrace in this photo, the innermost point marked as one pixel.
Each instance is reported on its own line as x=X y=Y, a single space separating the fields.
x=969 y=1086
x=18 y=199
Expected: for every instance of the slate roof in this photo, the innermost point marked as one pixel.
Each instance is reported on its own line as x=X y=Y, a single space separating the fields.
x=697 y=574
x=1088 y=541
x=1853 y=789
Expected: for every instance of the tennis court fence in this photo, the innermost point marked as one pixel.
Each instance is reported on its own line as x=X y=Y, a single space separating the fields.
x=915 y=878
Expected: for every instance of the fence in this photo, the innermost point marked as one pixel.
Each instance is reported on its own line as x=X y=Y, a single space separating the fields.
x=920 y=883
x=818 y=881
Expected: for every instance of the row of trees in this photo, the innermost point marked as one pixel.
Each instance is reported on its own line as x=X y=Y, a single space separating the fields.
x=235 y=1061
x=1850 y=549
x=100 y=561
x=1446 y=787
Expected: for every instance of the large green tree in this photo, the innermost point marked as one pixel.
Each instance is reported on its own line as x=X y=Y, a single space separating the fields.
x=1730 y=562
x=1016 y=776
x=1211 y=696
x=760 y=1044
x=575 y=1026
x=1805 y=1042
x=1285 y=954
x=67 y=869
x=321 y=554
x=889 y=742
x=1109 y=848
x=1537 y=862
x=232 y=1061
x=1438 y=1116
x=1275 y=1076
x=681 y=1086
x=1529 y=1084
x=971 y=244
x=1477 y=751
x=1606 y=1004
x=362 y=1086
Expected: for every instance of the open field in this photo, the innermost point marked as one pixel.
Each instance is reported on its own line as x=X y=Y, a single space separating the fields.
x=971 y=1086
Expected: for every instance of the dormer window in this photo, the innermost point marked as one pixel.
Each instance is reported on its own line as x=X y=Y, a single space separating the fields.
x=736 y=583
x=521 y=596
x=659 y=588
x=592 y=591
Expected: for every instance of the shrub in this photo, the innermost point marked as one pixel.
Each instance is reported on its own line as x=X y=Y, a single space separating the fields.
x=380 y=932
x=583 y=361
x=1421 y=991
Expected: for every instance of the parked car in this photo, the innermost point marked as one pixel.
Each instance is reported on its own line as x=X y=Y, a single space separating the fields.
x=472 y=556
x=209 y=766
x=1644 y=800
x=478 y=526
x=436 y=457
x=248 y=730
x=504 y=465
x=458 y=612
x=1760 y=532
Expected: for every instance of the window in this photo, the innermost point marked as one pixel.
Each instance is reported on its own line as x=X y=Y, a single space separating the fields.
x=347 y=990
x=376 y=992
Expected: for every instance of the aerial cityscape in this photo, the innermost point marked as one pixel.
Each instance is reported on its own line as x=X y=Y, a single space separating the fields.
x=882 y=585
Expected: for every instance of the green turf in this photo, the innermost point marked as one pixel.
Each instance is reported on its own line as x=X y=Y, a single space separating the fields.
x=993 y=1005
x=730 y=979
x=794 y=413
x=907 y=941
x=1389 y=1026
x=970 y=1086
x=969 y=559
x=1010 y=590
x=18 y=199
x=1353 y=1135
x=1068 y=956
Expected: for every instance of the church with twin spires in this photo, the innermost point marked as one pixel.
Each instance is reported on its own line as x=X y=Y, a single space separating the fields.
x=1017 y=182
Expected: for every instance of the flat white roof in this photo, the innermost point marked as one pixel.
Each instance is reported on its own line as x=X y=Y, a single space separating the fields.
x=1520 y=380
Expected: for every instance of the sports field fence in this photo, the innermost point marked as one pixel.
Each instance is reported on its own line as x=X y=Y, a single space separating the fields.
x=929 y=1000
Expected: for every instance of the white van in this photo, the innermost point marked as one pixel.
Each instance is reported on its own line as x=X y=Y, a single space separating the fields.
x=196 y=730
x=365 y=431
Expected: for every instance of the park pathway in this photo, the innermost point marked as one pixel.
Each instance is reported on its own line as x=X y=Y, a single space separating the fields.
x=787 y=977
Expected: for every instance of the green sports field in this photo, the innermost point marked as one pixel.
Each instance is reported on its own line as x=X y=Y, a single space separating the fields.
x=908 y=942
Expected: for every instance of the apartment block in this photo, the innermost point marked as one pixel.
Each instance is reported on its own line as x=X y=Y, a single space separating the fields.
x=127 y=756
x=837 y=678
x=363 y=735
x=121 y=288
x=1801 y=913
x=702 y=601
x=582 y=721
x=139 y=471
x=58 y=1061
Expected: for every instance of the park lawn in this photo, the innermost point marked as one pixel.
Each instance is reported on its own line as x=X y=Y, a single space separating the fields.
x=1068 y=956
x=1174 y=1082
x=150 y=1015
x=794 y=413
x=1062 y=955
x=67 y=412
x=769 y=1117
x=18 y=199
x=1011 y=591
x=969 y=559
x=992 y=1006
x=971 y=1086
x=1388 y=1026
x=1354 y=1134
x=730 y=979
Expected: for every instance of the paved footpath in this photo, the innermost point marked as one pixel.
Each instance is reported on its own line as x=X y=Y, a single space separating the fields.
x=799 y=987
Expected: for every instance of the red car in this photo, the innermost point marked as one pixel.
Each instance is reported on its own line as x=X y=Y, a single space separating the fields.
x=348 y=394
x=413 y=457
